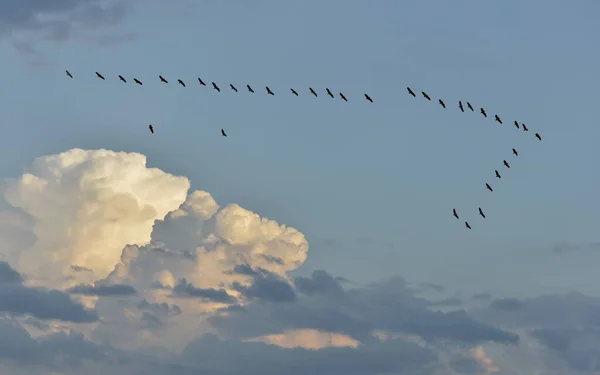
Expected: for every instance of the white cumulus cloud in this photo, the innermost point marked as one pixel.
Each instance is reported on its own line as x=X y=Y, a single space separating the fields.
x=87 y=205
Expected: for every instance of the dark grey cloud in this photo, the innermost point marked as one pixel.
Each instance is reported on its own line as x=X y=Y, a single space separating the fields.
x=568 y=325
x=391 y=357
x=320 y=282
x=75 y=268
x=185 y=289
x=265 y=285
x=104 y=290
x=17 y=299
x=389 y=306
x=481 y=296
x=8 y=274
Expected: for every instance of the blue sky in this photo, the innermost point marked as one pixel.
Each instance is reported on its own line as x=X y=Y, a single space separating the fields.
x=390 y=171
x=370 y=185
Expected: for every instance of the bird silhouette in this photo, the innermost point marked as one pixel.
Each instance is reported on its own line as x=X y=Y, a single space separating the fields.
x=100 y=76
x=411 y=92
x=137 y=81
x=470 y=107
x=497 y=173
x=481 y=213
x=489 y=187
x=294 y=92
x=162 y=79
x=181 y=82
x=223 y=133
x=442 y=103
x=506 y=164
x=515 y=152
x=329 y=92
x=368 y=98
x=200 y=81
x=483 y=112
x=517 y=124
x=467 y=225
x=214 y=85
x=538 y=136
x=250 y=89
x=497 y=119
x=233 y=87
x=525 y=128
x=269 y=90
x=69 y=74
x=122 y=79
x=454 y=213
x=343 y=97
x=312 y=91
x=425 y=95
x=151 y=128
x=460 y=106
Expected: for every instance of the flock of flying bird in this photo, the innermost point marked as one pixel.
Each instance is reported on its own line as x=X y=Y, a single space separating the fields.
x=482 y=111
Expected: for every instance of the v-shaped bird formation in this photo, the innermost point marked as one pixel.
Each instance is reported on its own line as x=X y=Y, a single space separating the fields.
x=342 y=96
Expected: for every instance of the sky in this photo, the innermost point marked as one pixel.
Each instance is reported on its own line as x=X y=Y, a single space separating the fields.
x=317 y=223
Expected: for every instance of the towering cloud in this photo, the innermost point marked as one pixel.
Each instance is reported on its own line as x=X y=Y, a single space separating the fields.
x=87 y=206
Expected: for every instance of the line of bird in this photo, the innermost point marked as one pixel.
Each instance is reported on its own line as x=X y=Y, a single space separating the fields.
x=314 y=93
x=343 y=97
x=488 y=187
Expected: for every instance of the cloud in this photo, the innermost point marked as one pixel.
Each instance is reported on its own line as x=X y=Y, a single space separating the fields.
x=87 y=206
x=567 y=325
x=104 y=290
x=215 y=295
x=18 y=299
x=59 y=20
x=201 y=284
x=390 y=306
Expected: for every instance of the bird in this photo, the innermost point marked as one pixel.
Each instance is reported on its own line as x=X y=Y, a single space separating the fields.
x=515 y=152
x=506 y=164
x=233 y=87
x=69 y=74
x=294 y=92
x=525 y=128
x=329 y=92
x=489 y=187
x=483 y=112
x=343 y=97
x=538 y=136
x=425 y=95
x=151 y=128
x=497 y=119
x=250 y=89
x=223 y=133
x=470 y=107
x=200 y=81
x=517 y=124
x=368 y=98
x=460 y=106
x=100 y=76
x=497 y=173
x=216 y=87
x=162 y=79
x=312 y=91
x=137 y=81
x=181 y=82
x=454 y=213
x=442 y=103
x=481 y=213
x=122 y=79
x=467 y=225
x=411 y=92
x=269 y=90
